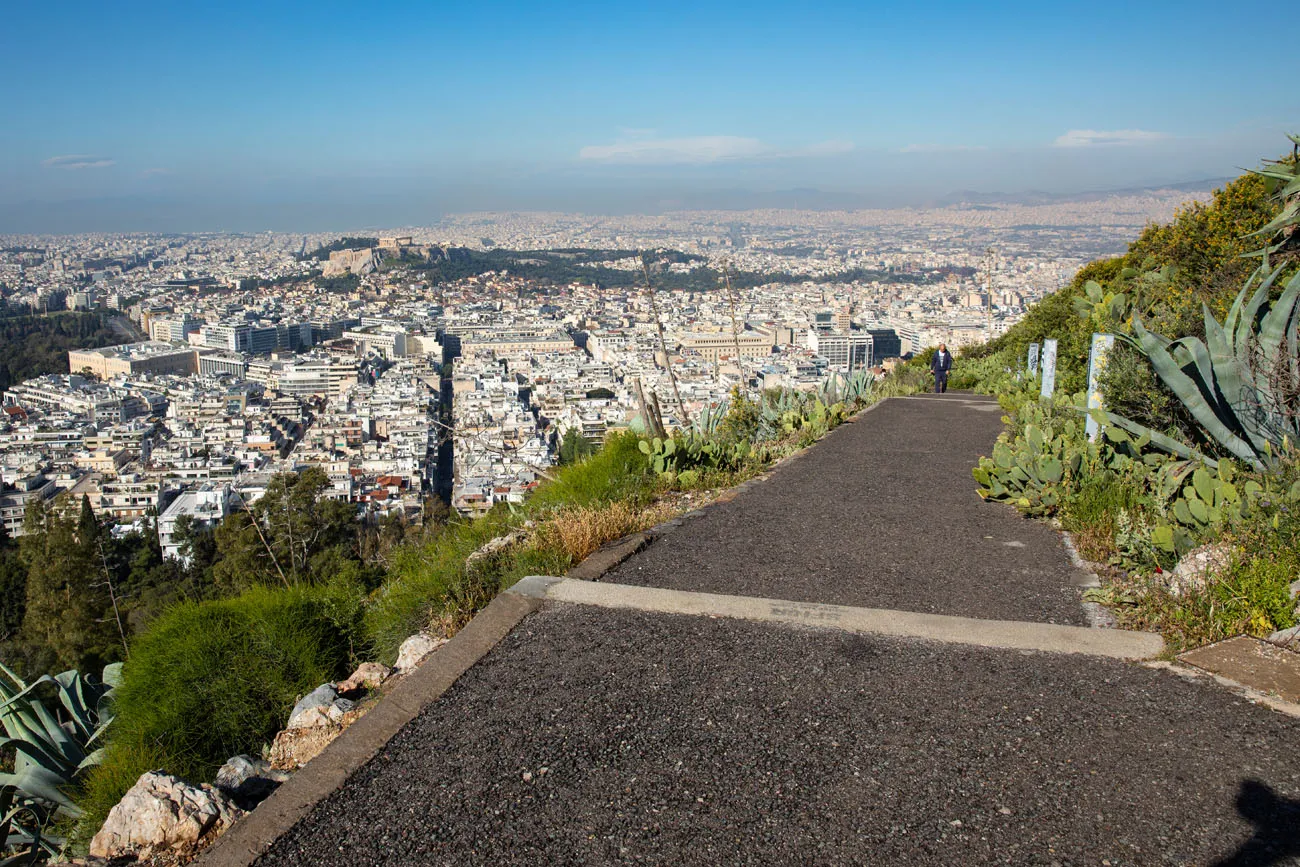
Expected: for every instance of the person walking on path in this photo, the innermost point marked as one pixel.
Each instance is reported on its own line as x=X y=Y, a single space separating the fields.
x=940 y=364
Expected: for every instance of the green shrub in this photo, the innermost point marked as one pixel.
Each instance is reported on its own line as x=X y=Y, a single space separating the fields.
x=1254 y=594
x=425 y=580
x=210 y=680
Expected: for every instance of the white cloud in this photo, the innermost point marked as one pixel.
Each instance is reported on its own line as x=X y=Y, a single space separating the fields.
x=1082 y=138
x=701 y=149
x=77 y=161
x=939 y=149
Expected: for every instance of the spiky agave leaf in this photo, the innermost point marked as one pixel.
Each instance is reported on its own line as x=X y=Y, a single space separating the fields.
x=1197 y=395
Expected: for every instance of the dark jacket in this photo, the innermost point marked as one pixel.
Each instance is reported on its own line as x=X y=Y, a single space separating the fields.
x=941 y=362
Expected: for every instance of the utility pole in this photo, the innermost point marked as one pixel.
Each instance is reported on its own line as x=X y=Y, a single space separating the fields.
x=988 y=292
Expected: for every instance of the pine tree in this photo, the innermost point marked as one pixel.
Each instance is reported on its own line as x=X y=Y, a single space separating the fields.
x=67 y=617
x=13 y=587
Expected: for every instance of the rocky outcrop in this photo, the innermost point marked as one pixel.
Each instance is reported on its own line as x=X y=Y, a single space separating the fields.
x=320 y=707
x=162 y=813
x=295 y=747
x=358 y=261
x=414 y=650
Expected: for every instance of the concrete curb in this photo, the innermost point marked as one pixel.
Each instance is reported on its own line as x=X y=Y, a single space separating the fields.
x=1003 y=634
x=252 y=835
x=609 y=556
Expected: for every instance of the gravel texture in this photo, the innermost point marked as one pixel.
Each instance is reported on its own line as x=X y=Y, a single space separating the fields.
x=600 y=737
x=883 y=513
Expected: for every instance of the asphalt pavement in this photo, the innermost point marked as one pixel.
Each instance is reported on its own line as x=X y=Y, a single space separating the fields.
x=597 y=737
x=882 y=513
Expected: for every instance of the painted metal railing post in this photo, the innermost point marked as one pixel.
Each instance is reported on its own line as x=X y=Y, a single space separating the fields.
x=1101 y=347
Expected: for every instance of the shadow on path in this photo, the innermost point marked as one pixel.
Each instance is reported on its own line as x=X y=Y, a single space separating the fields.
x=1277 y=828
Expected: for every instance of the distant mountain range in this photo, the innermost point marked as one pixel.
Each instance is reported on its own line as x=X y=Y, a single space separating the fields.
x=1038 y=197
x=811 y=199
x=178 y=214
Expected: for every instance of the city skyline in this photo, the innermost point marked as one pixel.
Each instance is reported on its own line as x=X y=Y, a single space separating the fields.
x=150 y=117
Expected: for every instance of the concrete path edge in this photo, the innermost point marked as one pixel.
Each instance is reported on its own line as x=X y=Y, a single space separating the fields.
x=1003 y=634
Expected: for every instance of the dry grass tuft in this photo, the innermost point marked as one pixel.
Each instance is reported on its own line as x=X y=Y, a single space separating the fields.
x=580 y=531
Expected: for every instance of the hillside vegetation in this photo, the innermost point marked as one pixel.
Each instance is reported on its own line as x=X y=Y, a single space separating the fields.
x=1201 y=395
x=34 y=345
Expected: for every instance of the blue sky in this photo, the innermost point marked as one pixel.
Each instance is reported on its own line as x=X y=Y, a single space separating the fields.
x=212 y=112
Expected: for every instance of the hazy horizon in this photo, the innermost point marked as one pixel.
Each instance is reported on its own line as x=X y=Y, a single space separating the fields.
x=302 y=118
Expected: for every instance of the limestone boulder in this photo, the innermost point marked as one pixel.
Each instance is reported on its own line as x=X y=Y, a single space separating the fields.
x=414 y=650
x=293 y=748
x=369 y=675
x=162 y=813
x=1197 y=567
x=321 y=706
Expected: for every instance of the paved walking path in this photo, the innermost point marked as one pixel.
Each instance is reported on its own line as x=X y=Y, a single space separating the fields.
x=884 y=513
x=779 y=721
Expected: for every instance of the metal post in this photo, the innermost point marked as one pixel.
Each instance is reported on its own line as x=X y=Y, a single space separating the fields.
x=1049 y=367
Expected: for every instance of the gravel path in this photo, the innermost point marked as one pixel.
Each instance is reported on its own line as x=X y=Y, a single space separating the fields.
x=604 y=737
x=881 y=513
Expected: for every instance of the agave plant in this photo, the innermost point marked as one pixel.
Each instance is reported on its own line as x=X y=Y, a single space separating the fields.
x=52 y=749
x=706 y=423
x=1282 y=233
x=1241 y=382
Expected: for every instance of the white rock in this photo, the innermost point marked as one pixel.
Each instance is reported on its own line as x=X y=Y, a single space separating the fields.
x=248 y=780
x=368 y=675
x=415 y=649
x=1197 y=566
x=319 y=707
x=293 y=748
x=500 y=543
x=161 y=812
x=1287 y=637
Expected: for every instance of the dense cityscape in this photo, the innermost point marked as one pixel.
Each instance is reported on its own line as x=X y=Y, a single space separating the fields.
x=435 y=362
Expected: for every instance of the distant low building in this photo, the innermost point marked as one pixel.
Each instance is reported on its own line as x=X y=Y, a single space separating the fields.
x=205 y=505
x=133 y=358
x=713 y=346
x=15 y=498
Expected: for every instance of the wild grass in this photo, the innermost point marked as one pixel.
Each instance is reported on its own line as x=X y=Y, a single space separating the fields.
x=1251 y=597
x=619 y=471
x=211 y=680
x=1092 y=514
